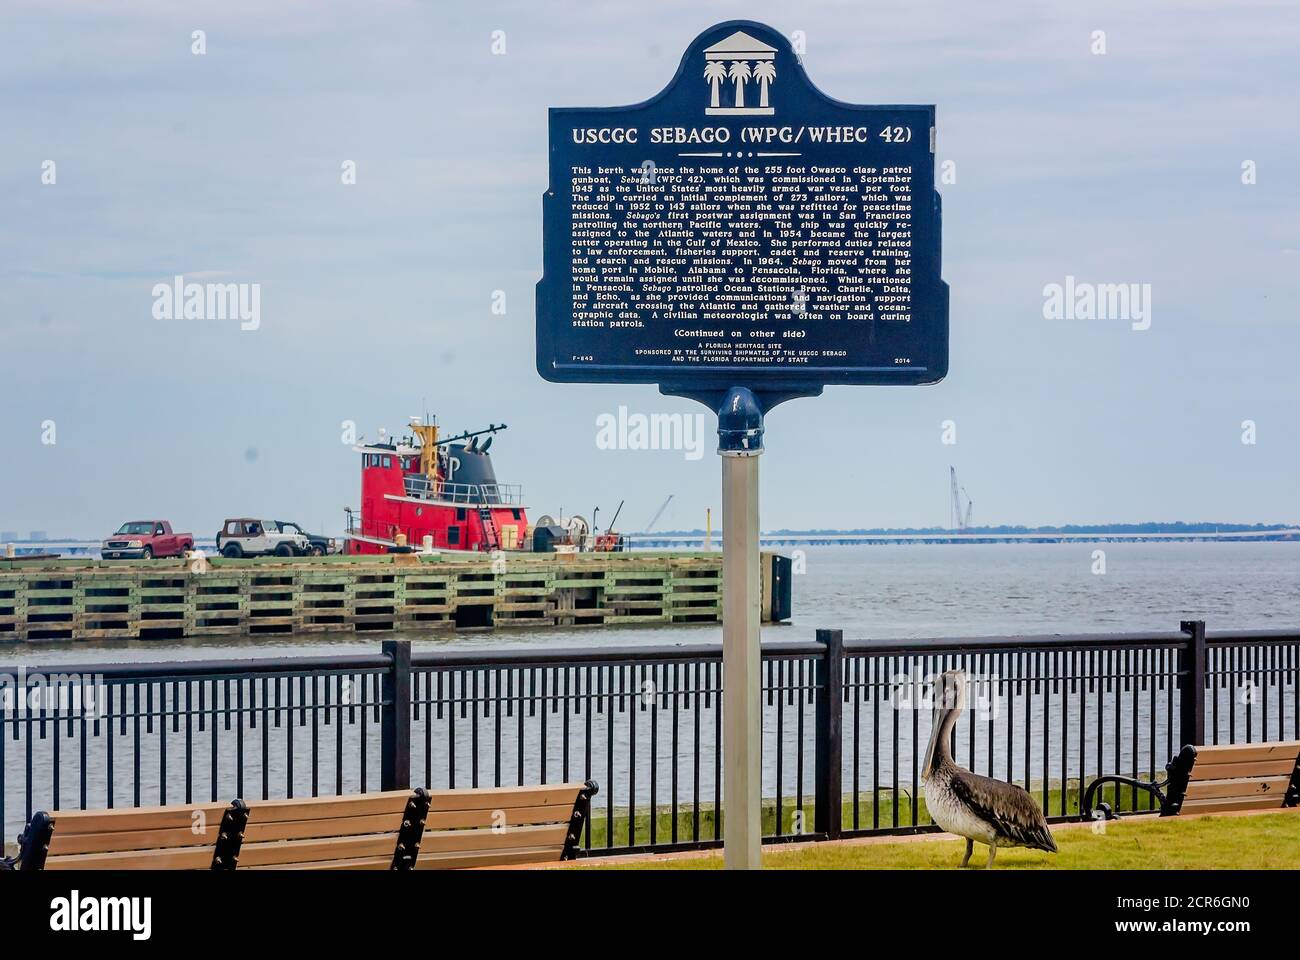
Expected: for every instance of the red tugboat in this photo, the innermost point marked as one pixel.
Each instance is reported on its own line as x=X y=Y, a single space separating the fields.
x=441 y=488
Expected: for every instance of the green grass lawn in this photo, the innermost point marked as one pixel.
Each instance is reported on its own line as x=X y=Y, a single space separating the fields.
x=1262 y=841
x=1121 y=800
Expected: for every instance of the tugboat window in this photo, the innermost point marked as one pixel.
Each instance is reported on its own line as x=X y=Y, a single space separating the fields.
x=453 y=535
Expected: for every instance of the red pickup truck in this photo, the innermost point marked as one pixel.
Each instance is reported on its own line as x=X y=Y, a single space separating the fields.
x=144 y=540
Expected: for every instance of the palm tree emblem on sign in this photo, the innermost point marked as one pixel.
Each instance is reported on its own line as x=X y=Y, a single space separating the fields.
x=764 y=73
x=740 y=58
x=715 y=72
x=740 y=73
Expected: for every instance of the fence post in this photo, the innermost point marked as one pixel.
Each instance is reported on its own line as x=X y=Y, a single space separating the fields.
x=395 y=718
x=827 y=797
x=1191 y=684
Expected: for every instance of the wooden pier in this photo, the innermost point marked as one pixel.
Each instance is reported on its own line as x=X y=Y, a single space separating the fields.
x=80 y=599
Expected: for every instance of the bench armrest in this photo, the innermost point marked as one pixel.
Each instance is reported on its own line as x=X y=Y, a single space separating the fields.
x=1169 y=791
x=579 y=819
x=1086 y=812
x=230 y=836
x=33 y=844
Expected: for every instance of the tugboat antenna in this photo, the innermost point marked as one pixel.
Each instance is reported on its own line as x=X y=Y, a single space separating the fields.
x=490 y=428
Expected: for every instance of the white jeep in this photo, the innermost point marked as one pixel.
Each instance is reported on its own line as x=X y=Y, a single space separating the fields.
x=246 y=537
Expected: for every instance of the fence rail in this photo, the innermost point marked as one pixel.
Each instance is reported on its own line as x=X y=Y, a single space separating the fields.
x=844 y=725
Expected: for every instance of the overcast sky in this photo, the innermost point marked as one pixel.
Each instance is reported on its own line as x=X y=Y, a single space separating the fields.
x=376 y=298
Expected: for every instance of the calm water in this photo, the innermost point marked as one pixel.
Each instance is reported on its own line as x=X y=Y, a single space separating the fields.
x=898 y=591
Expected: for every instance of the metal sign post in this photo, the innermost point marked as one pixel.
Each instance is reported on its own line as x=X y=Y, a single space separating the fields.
x=742 y=239
x=740 y=443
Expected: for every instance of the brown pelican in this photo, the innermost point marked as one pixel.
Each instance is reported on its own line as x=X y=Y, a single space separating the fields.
x=964 y=803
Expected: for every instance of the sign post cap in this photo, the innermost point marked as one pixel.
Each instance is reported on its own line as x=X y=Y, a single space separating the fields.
x=740 y=424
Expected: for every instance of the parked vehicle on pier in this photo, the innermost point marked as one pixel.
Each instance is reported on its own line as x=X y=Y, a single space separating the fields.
x=145 y=540
x=248 y=537
x=317 y=544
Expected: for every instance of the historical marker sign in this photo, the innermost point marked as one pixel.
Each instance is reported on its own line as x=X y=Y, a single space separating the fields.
x=742 y=239
x=742 y=229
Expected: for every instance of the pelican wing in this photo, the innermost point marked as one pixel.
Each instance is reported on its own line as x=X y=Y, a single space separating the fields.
x=1011 y=810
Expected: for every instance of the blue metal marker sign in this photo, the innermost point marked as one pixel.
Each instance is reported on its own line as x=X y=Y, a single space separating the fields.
x=742 y=229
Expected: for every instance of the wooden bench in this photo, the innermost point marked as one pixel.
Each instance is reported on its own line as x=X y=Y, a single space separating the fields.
x=393 y=830
x=1255 y=776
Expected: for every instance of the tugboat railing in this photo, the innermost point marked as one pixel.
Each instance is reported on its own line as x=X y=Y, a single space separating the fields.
x=472 y=494
x=507 y=494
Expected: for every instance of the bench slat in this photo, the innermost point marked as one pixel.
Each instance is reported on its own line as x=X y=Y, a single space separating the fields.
x=1240 y=753
x=328 y=808
x=138 y=818
x=391 y=821
x=1250 y=768
x=437 y=861
x=328 y=848
x=351 y=863
x=503 y=798
x=445 y=841
x=1242 y=787
x=1233 y=803
x=487 y=858
x=179 y=858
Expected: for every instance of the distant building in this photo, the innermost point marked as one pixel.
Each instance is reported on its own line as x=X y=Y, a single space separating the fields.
x=38 y=536
x=8 y=536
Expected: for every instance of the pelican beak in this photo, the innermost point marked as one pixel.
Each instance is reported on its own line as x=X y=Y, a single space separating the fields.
x=929 y=750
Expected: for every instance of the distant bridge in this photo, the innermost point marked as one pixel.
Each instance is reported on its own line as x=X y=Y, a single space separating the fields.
x=815 y=539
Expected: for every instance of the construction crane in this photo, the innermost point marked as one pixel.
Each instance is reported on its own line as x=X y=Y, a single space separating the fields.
x=957 y=518
x=658 y=513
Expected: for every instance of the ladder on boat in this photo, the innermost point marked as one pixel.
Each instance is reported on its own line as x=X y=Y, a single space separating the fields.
x=491 y=537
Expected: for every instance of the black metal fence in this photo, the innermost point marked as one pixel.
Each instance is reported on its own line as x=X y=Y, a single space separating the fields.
x=844 y=725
